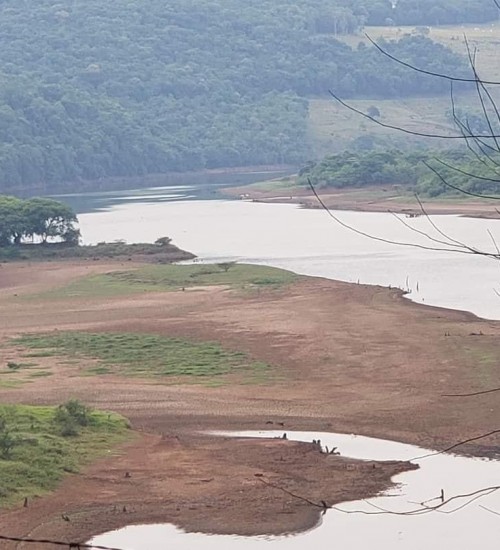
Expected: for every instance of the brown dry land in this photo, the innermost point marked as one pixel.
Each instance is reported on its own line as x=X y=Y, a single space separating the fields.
x=367 y=199
x=346 y=358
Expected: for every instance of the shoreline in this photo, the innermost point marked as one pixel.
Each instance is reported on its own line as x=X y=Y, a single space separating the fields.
x=238 y=174
x=367 y=199
x=328 y=344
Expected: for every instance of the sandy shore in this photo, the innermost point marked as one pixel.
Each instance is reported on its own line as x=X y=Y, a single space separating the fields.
x=369 y=199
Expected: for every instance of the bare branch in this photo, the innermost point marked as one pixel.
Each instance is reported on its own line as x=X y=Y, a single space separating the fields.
x=399 y=128
x=489 y=510
x=460 y=189
x=465 y=173
x=423 y=71
x=389 y=241
x=459 y=444
x=473 y=394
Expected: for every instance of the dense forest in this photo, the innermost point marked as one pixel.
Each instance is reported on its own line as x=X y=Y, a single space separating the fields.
x=405 y=169
x=90 y=89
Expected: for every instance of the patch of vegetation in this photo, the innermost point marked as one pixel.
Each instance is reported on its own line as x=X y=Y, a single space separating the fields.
x=407 y=169
x=40 y=374
x=143 y=354
x=35 y=451
x=159 y=252
x=175 y=277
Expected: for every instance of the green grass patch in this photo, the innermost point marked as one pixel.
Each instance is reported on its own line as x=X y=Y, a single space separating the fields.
x=40 y=374
x=143 y=354
x=154 y=278
x=10 y=384
x=34 y=455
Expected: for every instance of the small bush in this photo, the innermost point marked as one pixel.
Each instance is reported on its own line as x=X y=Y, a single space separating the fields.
x=71 y=416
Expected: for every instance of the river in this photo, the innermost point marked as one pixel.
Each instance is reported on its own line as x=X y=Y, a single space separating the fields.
x=307 y=241
x=310 y=242
x=462 y=524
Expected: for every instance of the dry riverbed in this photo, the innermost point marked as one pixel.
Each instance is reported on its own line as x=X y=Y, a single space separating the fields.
x=340 y=358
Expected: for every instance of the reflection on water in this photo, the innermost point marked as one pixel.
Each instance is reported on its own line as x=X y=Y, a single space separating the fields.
x=457 y=527
x=104 y=201
x=307 y=241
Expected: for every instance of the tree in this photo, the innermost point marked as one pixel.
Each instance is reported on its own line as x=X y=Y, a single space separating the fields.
x=226 y=266
x=12 y=220
x=49 y=218
x=38 y=217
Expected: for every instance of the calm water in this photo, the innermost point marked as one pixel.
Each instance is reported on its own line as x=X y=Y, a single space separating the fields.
x=306 y=241
x=464 y=529
x=309 y=242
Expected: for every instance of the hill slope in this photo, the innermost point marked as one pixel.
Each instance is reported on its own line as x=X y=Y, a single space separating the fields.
x=91 y=89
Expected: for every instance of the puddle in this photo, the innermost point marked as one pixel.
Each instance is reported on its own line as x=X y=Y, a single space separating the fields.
x=461 y=524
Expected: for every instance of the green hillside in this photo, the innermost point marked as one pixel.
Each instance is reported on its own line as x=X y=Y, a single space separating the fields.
x=91 y=89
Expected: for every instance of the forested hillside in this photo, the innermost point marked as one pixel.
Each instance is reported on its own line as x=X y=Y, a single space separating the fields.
x=90 y=89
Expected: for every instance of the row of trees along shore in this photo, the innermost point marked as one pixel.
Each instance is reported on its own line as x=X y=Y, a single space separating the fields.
x=36 y=219
x=456 y=171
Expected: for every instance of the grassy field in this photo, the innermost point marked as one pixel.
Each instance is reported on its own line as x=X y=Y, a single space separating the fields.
x=333 y=127
x=143 y=354
x=159 y=278
x=35 y=455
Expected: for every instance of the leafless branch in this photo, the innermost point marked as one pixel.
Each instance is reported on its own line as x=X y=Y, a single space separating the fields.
x=423 y=509
x=459 y=189
x=423 y=71
x=401 y=129
x=472 y=394
x=456 y=445
x=489 y=510
x=467 y=250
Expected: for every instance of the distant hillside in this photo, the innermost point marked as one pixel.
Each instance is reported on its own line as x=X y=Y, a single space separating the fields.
x=91 y=89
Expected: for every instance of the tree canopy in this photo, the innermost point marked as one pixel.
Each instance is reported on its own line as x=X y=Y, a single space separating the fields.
x=38 y=218
x=90 y=89
x=375 y=168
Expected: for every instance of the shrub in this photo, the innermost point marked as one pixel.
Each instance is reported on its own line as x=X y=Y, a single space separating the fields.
x=71 y=416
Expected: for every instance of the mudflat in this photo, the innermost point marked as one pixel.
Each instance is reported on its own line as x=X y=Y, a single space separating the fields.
x=340 y=358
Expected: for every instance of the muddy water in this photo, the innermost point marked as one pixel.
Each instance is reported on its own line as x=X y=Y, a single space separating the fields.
x=308 y=242
x=463 y=524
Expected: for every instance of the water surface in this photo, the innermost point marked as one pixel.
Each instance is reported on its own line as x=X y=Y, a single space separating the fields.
x=453 y=527
x=308 y=242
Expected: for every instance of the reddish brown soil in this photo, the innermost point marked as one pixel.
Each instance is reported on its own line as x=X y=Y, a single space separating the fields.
x=346 y=358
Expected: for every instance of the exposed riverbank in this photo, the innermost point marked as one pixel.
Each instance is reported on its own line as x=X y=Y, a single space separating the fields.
x=337 y=363
x=391 y=198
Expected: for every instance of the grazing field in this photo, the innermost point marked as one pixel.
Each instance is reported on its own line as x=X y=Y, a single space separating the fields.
x=39 y=445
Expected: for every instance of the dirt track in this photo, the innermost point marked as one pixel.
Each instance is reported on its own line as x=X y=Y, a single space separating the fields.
x=346 y=358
